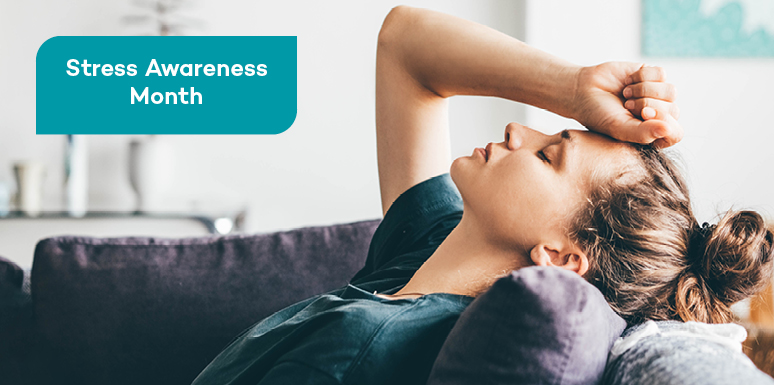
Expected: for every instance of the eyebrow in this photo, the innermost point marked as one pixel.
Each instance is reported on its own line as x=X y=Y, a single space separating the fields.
x=566 y=135
x=568 y=141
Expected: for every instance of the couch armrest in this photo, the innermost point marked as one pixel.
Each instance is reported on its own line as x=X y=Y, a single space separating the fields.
x=15 y=318
x=15 y=303
x=11 y=275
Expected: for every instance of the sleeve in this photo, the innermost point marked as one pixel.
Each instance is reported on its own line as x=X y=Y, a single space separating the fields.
x=288 y=372
x=420 y=218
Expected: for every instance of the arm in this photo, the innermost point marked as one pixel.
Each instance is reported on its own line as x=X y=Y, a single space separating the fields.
x=424 y=57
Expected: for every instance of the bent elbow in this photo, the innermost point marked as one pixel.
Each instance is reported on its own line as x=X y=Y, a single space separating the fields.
x=393 y=26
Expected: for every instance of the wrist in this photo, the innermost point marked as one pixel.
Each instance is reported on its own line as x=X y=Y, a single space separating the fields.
x=567 y=100
x=555 y=87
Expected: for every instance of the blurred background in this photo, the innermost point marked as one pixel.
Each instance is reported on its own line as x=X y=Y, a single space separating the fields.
x=323 y=169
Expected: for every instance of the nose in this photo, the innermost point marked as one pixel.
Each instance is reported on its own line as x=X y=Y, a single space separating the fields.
x=517 y=134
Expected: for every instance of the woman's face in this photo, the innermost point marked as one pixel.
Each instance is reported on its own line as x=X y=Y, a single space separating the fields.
x=523 y=191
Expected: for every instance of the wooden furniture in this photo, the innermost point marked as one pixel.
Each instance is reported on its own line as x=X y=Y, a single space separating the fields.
x=759 y=345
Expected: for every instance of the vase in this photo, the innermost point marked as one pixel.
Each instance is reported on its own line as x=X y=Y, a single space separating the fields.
x=150 y=163
x=76 y=175
x=29 y=182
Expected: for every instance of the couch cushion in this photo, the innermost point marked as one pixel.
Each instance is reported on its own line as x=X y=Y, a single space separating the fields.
x=537 y=325
x=157 y=311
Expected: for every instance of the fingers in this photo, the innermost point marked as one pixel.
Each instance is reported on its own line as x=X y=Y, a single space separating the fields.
x=645 y=108
x=649 y=114
x=663 y=128
x=654 y=90
x=647 y=74
x=651 y=99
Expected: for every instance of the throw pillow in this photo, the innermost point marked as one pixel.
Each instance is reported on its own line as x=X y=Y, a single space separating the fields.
x=537 y=325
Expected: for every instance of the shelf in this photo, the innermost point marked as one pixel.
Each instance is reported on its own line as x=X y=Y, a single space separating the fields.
x=19 y=232
x=221 y=223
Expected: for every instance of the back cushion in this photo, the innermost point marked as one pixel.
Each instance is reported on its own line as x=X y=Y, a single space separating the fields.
x=538 y=325
x=157 y=311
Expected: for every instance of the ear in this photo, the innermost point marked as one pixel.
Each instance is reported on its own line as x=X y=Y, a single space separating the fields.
x=568 y=257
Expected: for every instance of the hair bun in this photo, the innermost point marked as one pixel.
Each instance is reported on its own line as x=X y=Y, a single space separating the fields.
x=736 y=261
x=697 y=242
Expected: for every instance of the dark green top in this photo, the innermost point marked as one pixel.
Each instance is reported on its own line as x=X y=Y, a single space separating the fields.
x=349 y=335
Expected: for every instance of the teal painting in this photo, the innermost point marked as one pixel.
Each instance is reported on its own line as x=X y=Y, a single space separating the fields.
x=708 y=28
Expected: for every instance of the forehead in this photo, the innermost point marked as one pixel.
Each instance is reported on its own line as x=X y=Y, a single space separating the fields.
x=597 y=157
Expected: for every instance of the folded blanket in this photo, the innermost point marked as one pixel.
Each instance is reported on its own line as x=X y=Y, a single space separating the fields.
x=671 y=352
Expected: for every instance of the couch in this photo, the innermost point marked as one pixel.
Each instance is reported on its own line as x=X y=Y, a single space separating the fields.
x=156 y=311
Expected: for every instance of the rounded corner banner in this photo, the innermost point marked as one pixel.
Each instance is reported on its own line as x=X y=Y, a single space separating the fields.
x=166 y=85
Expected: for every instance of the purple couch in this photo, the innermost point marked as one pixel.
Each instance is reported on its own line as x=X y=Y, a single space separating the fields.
x=157 y=311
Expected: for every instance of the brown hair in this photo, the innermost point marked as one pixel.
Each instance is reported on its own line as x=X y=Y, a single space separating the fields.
x=652 y=260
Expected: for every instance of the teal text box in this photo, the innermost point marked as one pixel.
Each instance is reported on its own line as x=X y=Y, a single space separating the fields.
x=101 y=104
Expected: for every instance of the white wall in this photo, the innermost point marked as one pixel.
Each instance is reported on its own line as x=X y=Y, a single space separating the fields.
x=321 y=171
x=725 y=103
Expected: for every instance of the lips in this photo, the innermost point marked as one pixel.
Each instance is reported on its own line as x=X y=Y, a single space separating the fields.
x=488 y=151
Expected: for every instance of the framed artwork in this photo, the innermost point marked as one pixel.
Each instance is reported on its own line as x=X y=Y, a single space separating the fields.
x=708 y=28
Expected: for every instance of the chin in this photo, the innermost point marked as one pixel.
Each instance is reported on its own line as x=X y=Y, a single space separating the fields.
x=457 y=168
x=462 y=174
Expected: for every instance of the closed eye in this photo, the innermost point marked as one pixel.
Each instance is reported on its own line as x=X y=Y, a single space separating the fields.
x=543 y=156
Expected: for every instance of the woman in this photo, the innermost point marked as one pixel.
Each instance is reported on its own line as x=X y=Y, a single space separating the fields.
x=604 y=203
